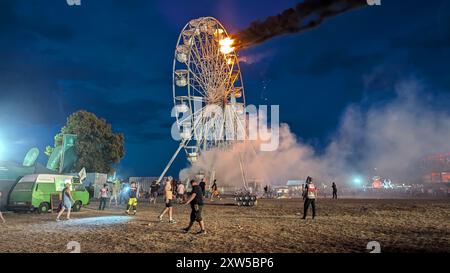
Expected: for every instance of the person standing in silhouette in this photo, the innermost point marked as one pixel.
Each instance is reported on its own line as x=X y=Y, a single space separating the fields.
x=310 y=195
x=334 y=190
x=203 y=186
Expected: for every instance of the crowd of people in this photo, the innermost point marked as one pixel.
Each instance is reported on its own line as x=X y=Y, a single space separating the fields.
x=410 y=191
x=174 y=191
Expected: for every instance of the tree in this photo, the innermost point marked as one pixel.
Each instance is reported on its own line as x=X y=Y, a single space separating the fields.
x=96 y=146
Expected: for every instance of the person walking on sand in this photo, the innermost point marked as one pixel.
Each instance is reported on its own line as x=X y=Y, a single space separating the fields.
x=215 y=191
x=1 y=215
x=310 y=195
x=115 y=192
x=334 y=190
x=168 y=192
x=154 y=192
x=196 y=202
x=132 y=200
x=103 y=197
x=67 y=200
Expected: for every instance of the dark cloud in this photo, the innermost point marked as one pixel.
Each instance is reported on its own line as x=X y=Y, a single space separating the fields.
x=423 y=38
x=8 y=17
x=114 y=58
x=16 y=20
x=141 y=120
x=333 y=60
x=140 y=137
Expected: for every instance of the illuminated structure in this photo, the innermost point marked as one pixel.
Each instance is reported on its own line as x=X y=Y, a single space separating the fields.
x=436 y=168
x=208 y=92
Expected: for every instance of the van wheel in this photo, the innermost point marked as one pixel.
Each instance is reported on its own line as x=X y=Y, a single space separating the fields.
x=44 y=208
x=77 y=206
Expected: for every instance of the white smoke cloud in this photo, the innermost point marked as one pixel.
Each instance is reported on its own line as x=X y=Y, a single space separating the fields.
x=394 y=136
x=391 y=137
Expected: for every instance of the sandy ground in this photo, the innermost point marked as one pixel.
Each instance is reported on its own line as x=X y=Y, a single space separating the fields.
x=345 y=225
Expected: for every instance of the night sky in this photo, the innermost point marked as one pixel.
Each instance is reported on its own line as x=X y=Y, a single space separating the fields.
x=114 y=58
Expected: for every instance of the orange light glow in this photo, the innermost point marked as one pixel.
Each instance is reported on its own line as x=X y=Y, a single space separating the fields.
x=226 y=45
x=218 y=32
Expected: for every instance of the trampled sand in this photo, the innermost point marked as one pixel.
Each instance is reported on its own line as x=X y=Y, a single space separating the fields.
x=345 y=225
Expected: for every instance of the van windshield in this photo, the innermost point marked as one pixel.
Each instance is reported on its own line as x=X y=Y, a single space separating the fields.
x=24 y=186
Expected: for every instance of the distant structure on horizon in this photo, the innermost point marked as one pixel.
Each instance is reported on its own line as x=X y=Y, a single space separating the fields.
x=436 y=168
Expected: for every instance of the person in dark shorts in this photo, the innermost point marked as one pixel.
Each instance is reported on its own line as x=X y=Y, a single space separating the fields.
x=103 y=194
x=310 y=195
x=196 y=202
x=168 y=190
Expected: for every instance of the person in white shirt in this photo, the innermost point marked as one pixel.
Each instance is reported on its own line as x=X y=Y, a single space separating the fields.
x=115 y=192
x=180 y=192
x=103 y=197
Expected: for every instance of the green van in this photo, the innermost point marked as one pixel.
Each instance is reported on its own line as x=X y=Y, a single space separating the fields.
x=33 y=192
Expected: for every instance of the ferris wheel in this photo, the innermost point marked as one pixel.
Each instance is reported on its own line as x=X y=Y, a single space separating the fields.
x=208 y=92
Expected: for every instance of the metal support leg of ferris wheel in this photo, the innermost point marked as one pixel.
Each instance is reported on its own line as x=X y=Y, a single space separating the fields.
x=244 y=179
x=182 y=144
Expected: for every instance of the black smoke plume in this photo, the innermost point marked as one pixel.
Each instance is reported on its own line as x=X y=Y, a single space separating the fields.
x=305 y=15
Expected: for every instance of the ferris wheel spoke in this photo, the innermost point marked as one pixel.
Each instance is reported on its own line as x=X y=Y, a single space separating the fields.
x=199 y=61
x=198 y=72
x=199 y=91
x=200 y=82
x=196 y=112
x=199 y=64
x=229 y=81
x=207 y=48
x=201 y=53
